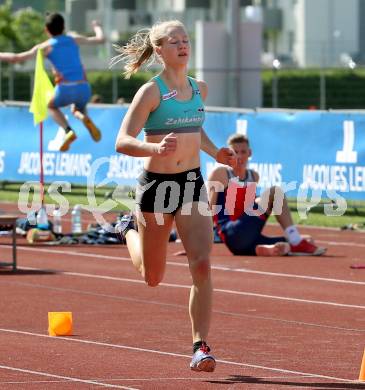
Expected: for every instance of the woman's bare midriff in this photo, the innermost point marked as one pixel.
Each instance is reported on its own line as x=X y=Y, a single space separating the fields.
x=185 y=157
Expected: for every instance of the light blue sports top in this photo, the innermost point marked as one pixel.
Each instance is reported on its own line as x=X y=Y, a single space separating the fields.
x=65 y=58
x=178 y=116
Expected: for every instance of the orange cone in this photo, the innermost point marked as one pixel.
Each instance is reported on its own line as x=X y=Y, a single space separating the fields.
x=60 y=323
x=362 y=369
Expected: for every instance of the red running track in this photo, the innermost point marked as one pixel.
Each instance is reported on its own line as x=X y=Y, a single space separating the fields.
x=278 y=323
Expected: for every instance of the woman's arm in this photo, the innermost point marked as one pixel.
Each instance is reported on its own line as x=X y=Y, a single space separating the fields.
x=223 y=155
x=207 y=145
x=19 y=57
x=7 y=57
x=217 y=182
x=97 y=38
x=145 y=101
x=25 y=55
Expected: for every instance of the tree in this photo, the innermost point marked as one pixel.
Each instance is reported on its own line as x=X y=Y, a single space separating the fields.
x=28 y=25
x=7 y=33
x=21 y=30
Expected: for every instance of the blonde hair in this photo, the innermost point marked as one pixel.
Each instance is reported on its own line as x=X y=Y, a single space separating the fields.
x=140 y=50
x=237 y=139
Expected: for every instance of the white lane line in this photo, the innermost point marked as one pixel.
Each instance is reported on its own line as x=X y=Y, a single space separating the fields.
x=68 y=378
x=72 y=253
x=279 y=274
x=312 y=227
x=184 y=286
x=219 y=290
x=153 y=351
x=290 y=299
x=182 y=307
x=166 y=379
x=214 y=267
x=342 y=243
x=200 y=379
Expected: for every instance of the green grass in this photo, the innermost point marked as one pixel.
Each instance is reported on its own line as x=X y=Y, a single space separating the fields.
x=317 y=218
x=105 y=198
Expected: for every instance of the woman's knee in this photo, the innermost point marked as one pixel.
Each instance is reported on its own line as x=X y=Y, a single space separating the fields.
x=200 y=268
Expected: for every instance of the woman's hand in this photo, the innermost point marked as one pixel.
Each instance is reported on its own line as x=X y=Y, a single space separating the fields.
x=227 y=156
x=95 y=23
x=167 y=145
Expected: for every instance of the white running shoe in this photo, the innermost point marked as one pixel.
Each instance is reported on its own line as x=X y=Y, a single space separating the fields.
x=125 y=224
x=202 y=360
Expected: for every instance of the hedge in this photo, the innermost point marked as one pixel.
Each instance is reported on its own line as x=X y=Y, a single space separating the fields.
x=101 y=83
x=299 y=89
x=345 y=89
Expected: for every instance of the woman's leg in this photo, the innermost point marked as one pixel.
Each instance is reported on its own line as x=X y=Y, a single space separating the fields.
x=78 y=109
x=57 y=115
x=147 y=257
x=196 y=233
x=88 y=123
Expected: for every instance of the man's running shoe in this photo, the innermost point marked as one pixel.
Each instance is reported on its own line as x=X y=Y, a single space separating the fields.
x=125 y=224
x=306 y=248
x=278 y=249
x=202 y=360
x=69 y=138
x=93 y=130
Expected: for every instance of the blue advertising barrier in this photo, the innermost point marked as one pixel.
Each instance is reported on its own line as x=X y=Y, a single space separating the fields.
x=300 y=151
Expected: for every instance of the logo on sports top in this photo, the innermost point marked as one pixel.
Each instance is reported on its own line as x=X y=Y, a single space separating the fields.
x=169 y=95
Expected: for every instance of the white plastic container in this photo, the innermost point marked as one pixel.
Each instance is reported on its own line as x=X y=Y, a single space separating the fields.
x=32 y=218
x=76 y=224
x=57 y=221
x=42 y=219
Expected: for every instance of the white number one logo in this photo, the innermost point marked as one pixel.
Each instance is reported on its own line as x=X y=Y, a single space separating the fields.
x=241 y=126
x=347 y=154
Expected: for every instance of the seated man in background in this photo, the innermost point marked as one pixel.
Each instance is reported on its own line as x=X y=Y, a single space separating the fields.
x=239 y=216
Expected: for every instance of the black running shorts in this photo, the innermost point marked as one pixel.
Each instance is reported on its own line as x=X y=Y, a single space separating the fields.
x=167 y=193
